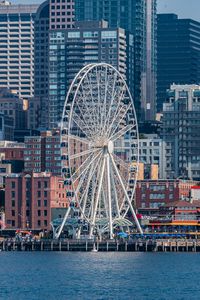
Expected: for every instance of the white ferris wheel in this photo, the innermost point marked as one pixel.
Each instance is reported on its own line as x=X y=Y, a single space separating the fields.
x=100 y=150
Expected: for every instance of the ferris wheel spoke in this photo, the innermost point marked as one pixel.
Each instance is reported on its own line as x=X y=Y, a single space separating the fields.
x=126 y=109
x=127 y=197
x=93 y=158
x=124 y=148
x=121 y=162
x=112 y=96
x=77 y=120
x=98 y=97
x=78 y=138
x=115 y=193
x=118 y=107
x=84 y=197
x=105 y=202
x=109 y=196
x=83 y=178
x=106 y=84
x=108 y=118
x=97 y=197
x=121 y=132
x=94 y=191
x=80 y=154
x=86 y=121
x=90 y=112
x=88 y=106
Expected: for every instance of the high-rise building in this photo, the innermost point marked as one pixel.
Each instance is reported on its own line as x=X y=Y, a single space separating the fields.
x=181 y=131
x=137 y=17
x=72 y=49
x=41 y=48
x=54 y=15
x=17 y=48
x=178 y=53
x=61 y=14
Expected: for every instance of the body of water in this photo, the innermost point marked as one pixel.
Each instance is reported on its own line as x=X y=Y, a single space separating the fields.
x=65 y=275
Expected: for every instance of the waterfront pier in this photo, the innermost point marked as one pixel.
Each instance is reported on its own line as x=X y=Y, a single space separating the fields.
x=103 y=246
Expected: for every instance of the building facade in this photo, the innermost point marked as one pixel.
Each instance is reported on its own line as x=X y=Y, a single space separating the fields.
x=178 y=53
x=12 y=153
x=155 y=193
x=61 y=14
x=70 y=50
x=6 y=128
x=181 y=131
x=152 y=150
x=42 y=153
x=12 y=106
x=54 y=15
x=17 y=48
x=41 y=48
x=29 y=199
x=137 y=17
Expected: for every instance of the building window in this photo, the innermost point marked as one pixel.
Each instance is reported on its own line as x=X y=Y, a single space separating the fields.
x=39 y=202
x=13 y=203
x=13 y=223
x=12 y=184
x=39 y=213
x=39 y=185
x=45 y=184
x=45 y=203
x=45 y=193
x=39 y=222
x=45 y=222
x=39 y=194
x=13 y=194
x=13 y=213
x=45 y=213
x=75 y=34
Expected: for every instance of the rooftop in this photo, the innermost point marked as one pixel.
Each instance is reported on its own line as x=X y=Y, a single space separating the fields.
x=6 y=7
x=183 y=203
x=10 y=144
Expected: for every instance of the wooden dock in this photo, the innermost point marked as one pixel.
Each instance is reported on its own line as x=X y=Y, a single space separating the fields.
x=103 y=246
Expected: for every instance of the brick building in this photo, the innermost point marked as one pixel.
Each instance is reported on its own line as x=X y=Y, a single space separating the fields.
x=30 y=198
x=43 y=153
x=156 y=193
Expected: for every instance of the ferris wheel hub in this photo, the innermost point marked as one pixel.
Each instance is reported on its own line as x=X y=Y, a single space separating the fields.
x=110 y=147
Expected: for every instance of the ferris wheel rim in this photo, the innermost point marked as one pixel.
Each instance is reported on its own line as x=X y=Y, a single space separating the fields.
x=88 y=68
x=73 y=91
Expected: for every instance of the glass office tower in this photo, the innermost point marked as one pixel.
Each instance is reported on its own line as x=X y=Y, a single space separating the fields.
x=137 y=17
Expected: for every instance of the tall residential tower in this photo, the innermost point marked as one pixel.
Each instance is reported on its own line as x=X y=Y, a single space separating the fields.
x=17 y=48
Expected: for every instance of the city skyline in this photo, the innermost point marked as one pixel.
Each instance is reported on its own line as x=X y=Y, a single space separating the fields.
x=185 y=9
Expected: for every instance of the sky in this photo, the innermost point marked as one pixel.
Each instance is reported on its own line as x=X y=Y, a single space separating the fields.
x=184 y=8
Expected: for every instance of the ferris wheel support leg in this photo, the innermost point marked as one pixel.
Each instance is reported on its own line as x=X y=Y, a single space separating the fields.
x=115 y=195
x=127 y=197
x=97 y=199
x=57 y=235
x=109 y=197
